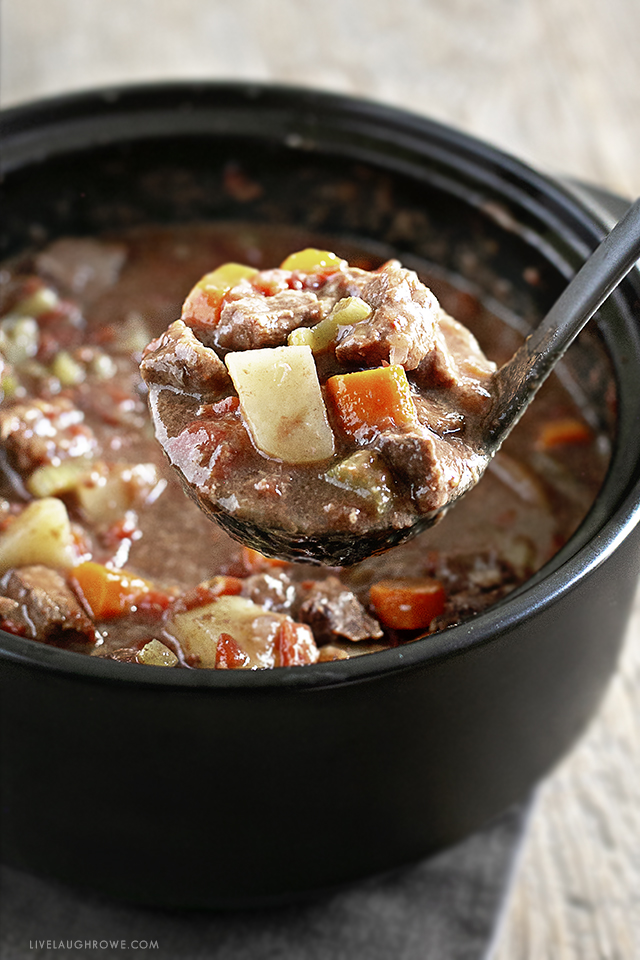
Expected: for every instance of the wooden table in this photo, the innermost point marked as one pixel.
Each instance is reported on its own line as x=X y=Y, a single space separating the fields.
x=556 y=82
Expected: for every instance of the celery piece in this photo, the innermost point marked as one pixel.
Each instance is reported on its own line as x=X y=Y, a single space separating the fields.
x=311 y=260
x=18 y=338
x=226 y=276
x=9 y=386
x=302 y=337
x=68 y=371
x=156 y=654
x=42 y=301
x=364 y=475
x=345 y=313
x=102 y=367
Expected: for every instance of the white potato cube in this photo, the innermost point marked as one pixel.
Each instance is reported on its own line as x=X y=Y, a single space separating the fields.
x=282 y=402
x=198 y=630
x=254 y=628
x=40 y=534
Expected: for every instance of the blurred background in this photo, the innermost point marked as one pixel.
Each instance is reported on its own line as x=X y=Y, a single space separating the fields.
x=555 y=82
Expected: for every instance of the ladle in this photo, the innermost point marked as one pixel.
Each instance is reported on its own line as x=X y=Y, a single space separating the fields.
x=513 y=387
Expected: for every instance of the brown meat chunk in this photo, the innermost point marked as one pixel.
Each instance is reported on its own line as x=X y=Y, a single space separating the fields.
x=457 y=363
x=48 y=604
x=256 y=321
x=333 y=611
x=434 y=468
x=12 y=618
x=178 y=359
x=82 y=265
x=44 y=432
x=402 y=326
x=273 y=591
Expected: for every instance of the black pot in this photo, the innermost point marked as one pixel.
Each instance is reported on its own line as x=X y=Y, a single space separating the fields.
x=228 y=788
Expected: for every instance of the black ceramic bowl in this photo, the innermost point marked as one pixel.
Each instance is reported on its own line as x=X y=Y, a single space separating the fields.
x=228 y=788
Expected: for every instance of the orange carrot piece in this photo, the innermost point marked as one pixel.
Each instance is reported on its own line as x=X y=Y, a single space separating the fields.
x=408 y=603
x=566 y=431
x=109 y=592
x=371 y=400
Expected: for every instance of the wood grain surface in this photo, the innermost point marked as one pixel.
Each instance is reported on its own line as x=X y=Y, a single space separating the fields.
x=556 y=82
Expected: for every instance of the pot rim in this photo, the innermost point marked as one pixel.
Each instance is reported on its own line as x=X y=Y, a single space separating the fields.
x=100 y=111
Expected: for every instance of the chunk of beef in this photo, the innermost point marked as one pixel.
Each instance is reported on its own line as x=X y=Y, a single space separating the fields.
x=13 y=618
x=331 y=610
x=178 y=359
x=402 y=327
x=435 y=469
x=473 y=583
x=47 y=603
x=44 y=431
x=456 y=363
x=273 y=591
x=256 y=321
x=82 y=266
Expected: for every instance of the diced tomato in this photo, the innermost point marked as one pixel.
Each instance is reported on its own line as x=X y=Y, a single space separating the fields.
x=124 y=529
x=229 y=654
x=207 y=592
x=155 y=602
x=12 y=626
x=408 y=603
x=290 y=649
x=202 y=307
x=221 y=407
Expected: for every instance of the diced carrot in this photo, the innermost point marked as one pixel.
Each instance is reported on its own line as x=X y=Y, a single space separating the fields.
x=202 y=307
x=566 y=431
x=229 y=654
x=368 y=401
x=109 y=592
x=408 y=603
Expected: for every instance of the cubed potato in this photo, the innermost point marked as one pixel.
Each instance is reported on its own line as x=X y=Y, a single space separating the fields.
x=282 y=402
x=41 y=534
x=198 y=630
x=107 y=491
x=252 y=627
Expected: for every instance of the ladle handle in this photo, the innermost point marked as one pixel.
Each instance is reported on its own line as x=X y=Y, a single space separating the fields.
x=517 y=382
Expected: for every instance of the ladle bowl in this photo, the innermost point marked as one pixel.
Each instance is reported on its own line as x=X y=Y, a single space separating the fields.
x=513 y=388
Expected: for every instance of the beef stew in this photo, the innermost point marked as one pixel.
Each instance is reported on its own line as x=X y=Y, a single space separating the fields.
x=102 y=553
